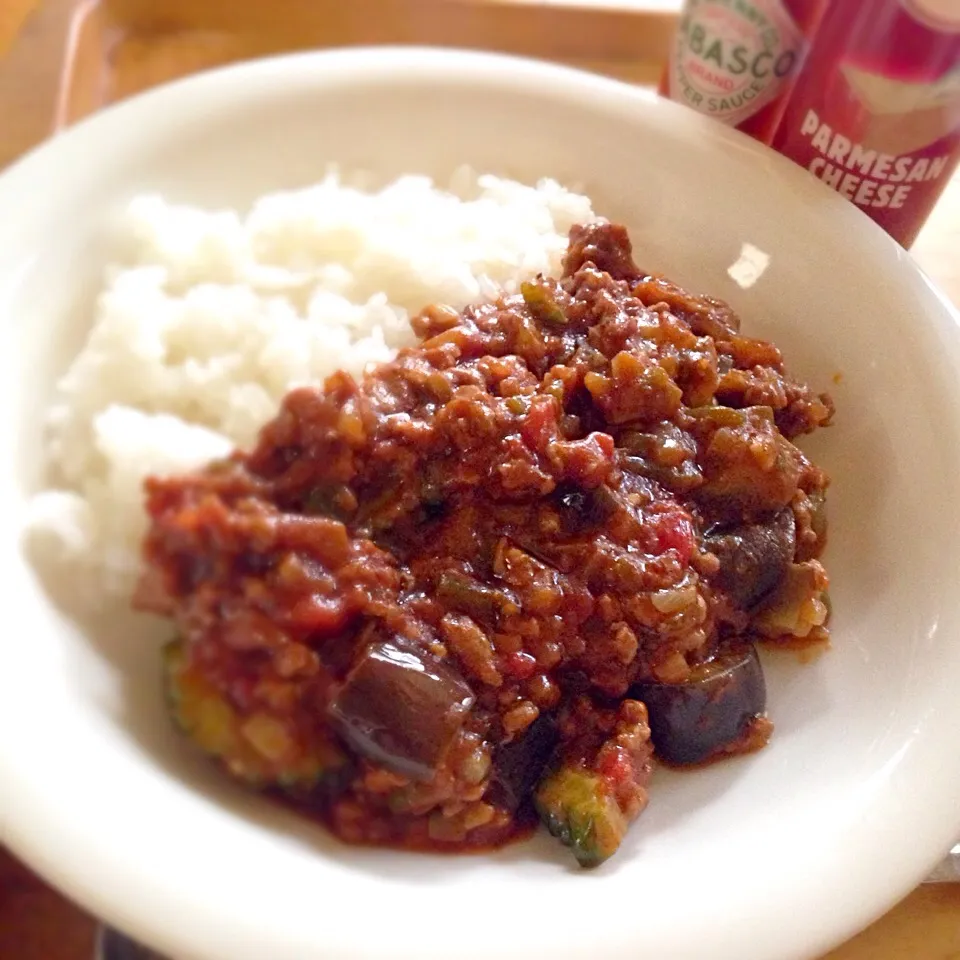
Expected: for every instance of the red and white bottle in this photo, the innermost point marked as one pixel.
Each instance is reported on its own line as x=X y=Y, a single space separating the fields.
x=737 y=60
x=876 y=114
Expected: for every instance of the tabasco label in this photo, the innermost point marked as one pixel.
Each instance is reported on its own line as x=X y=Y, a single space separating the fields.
x=876 y=115
x=733 y=57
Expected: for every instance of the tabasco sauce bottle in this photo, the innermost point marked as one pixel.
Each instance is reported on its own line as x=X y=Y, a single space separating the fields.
x=876 y=114
x=737 y=60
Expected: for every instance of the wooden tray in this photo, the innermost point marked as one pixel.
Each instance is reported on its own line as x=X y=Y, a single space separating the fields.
x=75 y=56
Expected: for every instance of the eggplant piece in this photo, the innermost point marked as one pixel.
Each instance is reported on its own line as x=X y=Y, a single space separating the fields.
x=401 y=708
x=663 y=453
x=754 y=557
x=577 y=806
x=260 y=749
x=708 y=713
x=749 y=468
x=583 y=509
x=518 y=765
x=798 y=605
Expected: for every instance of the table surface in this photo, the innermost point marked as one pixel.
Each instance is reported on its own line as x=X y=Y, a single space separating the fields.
x=38 y=924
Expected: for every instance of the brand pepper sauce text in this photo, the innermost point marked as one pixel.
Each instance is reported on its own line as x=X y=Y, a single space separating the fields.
x=730 y=61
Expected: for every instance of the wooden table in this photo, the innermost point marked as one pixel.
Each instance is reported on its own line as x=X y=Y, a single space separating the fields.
x=38 y=924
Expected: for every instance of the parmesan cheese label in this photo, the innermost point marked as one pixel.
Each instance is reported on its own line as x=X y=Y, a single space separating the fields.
x=876 y=114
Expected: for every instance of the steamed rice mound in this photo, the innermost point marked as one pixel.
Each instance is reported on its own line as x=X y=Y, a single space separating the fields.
x=213 y=317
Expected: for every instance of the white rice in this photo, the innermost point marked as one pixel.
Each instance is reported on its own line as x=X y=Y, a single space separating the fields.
x=215 y=316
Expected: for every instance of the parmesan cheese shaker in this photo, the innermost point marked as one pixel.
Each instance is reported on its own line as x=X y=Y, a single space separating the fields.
x=876 y=113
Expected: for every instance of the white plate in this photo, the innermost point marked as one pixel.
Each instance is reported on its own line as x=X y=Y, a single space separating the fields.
x=773 y=857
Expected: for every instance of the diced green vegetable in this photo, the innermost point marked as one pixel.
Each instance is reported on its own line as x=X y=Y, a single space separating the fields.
x=577 y=807
x=542 y=304
x=460 y=592
x=335 y=501
x=260 y=749
x=518 y=405
x=818 y=513
x=719 y=415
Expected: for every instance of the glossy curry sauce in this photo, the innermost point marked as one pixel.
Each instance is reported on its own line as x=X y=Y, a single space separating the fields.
x=426 y=591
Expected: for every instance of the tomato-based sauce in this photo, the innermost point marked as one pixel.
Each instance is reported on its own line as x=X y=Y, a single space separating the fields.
x=431 y=598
